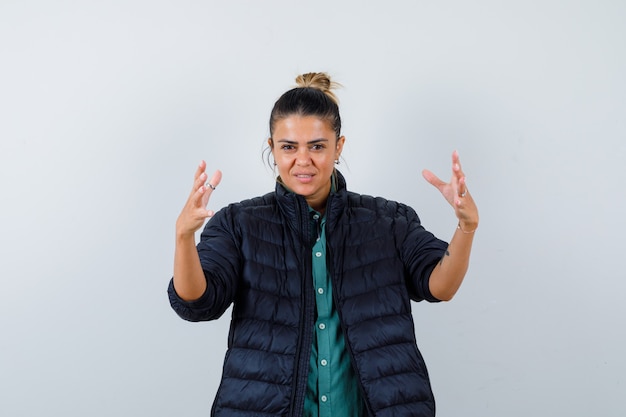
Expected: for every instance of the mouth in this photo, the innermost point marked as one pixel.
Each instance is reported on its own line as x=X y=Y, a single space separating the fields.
x=304 y=178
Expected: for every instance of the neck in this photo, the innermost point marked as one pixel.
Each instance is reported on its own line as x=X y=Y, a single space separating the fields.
x=316 y=203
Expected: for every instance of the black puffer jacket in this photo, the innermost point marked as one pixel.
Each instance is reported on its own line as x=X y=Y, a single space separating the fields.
x=257 y=254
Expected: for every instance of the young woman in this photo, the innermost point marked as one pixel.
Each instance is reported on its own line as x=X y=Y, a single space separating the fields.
x=320 y=278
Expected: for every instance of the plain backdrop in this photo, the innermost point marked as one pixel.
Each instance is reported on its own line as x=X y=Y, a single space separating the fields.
x=106 y=108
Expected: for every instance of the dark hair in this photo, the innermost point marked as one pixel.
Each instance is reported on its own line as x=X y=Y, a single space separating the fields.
x=312 y=97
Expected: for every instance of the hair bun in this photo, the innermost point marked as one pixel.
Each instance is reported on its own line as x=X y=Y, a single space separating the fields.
x=320 y=81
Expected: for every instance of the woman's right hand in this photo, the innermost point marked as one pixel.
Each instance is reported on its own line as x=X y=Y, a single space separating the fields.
x=195 y=212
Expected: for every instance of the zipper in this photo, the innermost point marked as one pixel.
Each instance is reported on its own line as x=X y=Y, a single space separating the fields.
x=305 y=333
x=334 y=276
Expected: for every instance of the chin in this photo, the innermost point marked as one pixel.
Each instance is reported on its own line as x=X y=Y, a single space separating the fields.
x=303 y=191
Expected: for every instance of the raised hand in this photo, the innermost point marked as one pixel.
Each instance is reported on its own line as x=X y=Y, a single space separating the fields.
x=455 y=192
x=195 y=211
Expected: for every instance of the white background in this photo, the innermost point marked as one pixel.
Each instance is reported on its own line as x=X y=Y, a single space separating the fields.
x=107 y=107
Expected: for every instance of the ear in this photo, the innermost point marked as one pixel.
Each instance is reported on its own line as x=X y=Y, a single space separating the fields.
x=340 y=141
x=270 y=143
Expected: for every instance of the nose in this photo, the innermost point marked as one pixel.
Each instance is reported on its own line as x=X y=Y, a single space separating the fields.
x=303 y=156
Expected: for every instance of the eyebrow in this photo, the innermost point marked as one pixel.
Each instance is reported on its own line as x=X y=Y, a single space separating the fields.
x=293 y=142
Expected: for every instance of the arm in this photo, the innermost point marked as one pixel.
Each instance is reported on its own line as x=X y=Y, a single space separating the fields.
x=448 y=275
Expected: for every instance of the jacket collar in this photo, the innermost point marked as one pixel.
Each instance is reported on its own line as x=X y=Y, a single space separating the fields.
x=295 y=208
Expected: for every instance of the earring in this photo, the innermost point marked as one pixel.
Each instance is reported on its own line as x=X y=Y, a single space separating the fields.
x=336 y=161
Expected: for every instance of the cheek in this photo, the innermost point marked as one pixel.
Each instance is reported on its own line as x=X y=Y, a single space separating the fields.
x=281 y=159
x=283 y=163
x=326 y=161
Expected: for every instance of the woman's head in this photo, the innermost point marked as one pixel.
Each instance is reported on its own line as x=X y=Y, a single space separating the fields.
x=306 y=139
x=313 y=96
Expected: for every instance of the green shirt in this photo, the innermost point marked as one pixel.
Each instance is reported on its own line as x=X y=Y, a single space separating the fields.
x=332 y=385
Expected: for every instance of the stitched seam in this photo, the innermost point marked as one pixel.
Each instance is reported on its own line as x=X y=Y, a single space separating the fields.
x=256 y=412
x=391 y=375
x=379 y=317
x=408 y=342
x=247 y=379
x=273 y=323
x=393 y=284
x=261 y=350
x=372 y=262
x=405 y=403
x=273 y=294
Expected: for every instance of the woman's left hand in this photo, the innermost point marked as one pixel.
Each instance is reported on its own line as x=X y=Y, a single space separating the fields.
x=456 y=193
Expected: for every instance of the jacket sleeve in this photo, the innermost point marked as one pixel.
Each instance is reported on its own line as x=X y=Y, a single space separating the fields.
x=221 y=262
x=421 y=251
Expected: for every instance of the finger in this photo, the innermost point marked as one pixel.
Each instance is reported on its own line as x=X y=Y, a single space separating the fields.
x=199 y=197
x=456 y=165
x=458 y=174
x=455 y=156
x=433 y=179
x=206 y=189
x=212 y=184
x=199 y=177
x=200 y=170
x=462 y=188
x=197 y=187
x=462 y=201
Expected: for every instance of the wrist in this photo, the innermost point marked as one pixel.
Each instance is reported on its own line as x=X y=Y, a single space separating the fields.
x=185 y=236
x=467 y=229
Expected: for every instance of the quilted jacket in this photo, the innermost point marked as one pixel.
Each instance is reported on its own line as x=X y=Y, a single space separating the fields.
x=256 y=254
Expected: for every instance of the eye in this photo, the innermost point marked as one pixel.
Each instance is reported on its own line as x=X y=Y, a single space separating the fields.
x=317 y=147
x=287 y=147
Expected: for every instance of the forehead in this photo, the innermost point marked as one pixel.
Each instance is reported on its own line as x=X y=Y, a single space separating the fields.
x=303 y=128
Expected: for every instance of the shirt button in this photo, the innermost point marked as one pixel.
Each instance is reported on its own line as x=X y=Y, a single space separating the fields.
x=316 y=216
x=322 y=326
x=324 y=362
x=320 y=290
x=318 y=254
x=324 y=398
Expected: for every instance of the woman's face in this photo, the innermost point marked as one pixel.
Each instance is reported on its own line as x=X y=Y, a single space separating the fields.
x=305 y=149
